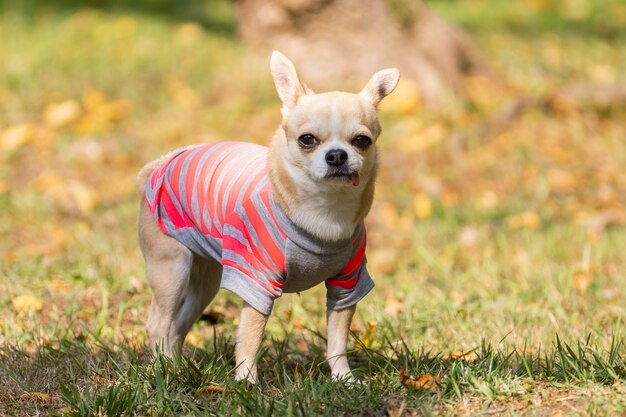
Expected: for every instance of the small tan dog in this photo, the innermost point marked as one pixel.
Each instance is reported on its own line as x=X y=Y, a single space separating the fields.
x=260 y=223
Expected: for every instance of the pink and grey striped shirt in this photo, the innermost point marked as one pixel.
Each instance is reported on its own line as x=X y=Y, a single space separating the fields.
x=217 y=201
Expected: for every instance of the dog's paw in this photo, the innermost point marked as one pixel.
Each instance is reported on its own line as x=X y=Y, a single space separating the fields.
x=345 y=377
x=246 y=374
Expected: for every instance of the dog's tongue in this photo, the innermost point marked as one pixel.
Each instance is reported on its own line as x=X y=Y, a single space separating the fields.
x=355 y=178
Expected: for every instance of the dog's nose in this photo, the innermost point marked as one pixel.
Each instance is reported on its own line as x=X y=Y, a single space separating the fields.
x=336 y=157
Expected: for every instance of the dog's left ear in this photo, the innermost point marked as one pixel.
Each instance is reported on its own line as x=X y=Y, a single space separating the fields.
x=288 y=85
x=381 y=85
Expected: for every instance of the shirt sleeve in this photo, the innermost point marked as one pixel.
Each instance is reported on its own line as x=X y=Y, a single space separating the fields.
x=353 y=282
x=247 y=272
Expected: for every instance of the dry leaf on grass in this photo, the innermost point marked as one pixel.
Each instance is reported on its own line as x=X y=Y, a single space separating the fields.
x=58 y=115
x=423 y=382
x=16 y=136
x=100 y=113
x=43 y=339
x=58 y=284
x=459 y=355
x=368 y=338
x=34 y=395
x=526 y=220
x=27 y=302
x=195 y=338
x=422 y=206
x=582 y=281
x=209 y=389
x=302 y=345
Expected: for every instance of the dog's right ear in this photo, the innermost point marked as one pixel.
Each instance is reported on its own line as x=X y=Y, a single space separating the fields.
x=288 y=85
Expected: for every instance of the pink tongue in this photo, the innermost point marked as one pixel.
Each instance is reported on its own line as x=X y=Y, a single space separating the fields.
x=355 y=178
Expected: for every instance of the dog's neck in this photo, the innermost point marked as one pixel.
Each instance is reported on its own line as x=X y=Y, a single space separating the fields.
x=330 y=212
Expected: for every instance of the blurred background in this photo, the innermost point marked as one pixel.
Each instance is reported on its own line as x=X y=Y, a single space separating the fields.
x=500 y=205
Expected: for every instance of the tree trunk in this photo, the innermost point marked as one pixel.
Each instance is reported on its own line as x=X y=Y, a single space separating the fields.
x=331 y=40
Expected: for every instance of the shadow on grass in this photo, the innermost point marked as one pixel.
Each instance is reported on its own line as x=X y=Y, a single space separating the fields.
x=82 y=376
x=215 y=15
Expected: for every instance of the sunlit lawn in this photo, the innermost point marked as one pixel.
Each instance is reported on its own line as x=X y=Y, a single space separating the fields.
x=511 y=252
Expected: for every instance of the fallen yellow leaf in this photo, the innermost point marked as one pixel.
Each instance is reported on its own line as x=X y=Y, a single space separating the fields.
x=525 y=220
x=422 y=206
x=58 y=115
x=100 y=113
x=27 y=302
x=368 y=338
x=16 y=136
x=48 y=182
x=195 y=338
x=36 y=395
x=93 y=99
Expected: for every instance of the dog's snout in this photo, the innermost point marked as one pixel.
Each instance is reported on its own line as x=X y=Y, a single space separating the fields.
x=336 y=157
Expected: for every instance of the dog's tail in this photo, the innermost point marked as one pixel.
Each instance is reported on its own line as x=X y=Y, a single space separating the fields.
x=142 y=176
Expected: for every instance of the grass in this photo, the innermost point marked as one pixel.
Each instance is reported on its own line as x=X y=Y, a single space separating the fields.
x=116 y=380
x=512 y=256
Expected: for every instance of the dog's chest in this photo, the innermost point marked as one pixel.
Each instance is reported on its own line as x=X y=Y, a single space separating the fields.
x=308 y=266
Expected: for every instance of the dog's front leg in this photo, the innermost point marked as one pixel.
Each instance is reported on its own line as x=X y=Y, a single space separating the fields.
x=249 y=335
x=338 y=328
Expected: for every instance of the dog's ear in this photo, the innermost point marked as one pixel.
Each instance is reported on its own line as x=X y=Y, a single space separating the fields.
x=381 y=85
x=286 y=79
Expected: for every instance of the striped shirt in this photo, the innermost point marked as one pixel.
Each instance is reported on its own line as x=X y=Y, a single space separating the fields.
x=217 y=201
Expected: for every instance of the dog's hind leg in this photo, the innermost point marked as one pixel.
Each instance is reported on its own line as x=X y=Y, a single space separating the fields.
x=204 y=283
x=183 y=284
x=168 y=269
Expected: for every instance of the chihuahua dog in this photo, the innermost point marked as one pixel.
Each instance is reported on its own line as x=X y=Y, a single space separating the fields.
x=260 y=222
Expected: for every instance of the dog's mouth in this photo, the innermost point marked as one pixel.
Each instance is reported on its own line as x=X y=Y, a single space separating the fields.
x=352 y=177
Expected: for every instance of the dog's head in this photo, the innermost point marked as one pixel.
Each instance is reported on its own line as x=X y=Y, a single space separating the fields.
x=330 y=137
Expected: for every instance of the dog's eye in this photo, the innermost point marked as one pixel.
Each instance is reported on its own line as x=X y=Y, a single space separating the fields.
x=361 y=141
x=308 y=141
